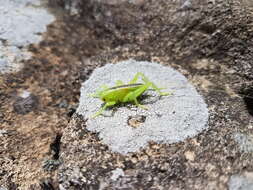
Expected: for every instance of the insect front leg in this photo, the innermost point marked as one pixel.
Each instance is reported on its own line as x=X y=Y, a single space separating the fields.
x=139 y=105
x=108 y=104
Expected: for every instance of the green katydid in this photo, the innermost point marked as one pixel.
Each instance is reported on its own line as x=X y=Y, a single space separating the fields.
x=122 y=93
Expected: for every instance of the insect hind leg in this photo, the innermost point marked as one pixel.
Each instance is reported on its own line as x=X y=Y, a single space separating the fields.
x=159 y=89
x=147 y=81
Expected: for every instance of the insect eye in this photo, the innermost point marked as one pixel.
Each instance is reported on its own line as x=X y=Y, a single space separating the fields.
x=103 y=99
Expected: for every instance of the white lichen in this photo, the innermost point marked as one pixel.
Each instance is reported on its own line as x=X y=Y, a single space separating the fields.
x=169 y=119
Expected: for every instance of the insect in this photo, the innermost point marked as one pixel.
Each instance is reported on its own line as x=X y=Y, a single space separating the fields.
x=122 y=93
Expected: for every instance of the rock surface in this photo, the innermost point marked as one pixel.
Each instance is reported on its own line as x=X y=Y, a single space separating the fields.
x=245 y=142
x=21 y=23
x=169 y=119
x=244 y=182
x=209 y=42
x=207 y=53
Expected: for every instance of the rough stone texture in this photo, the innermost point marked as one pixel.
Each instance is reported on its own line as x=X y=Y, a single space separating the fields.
x=21 y=23
x=245 y=142
x=244 y=182
x=25 y=103
x=169 y=119
x=210 y=42
x=117 y=173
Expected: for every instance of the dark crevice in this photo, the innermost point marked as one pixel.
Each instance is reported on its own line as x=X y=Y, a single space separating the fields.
x=55 y=146
x=136 y=121
x=249 y=103
x=47 y=184
x=53 y=163
x=248 y=99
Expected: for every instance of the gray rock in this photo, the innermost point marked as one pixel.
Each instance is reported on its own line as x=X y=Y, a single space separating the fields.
x=21 y=23
x=117 y=173
x=239 y=182
x=25 y=103
x=3 y=64
x=169 y=119
x=245 y=142
x=191 y=43
x=3 y=132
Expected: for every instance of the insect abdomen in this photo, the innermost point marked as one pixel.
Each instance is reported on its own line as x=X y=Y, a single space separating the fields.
x=119 y=92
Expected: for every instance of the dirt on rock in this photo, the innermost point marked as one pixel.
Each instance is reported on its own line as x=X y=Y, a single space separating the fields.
x=210 y=42
x=52 y=76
